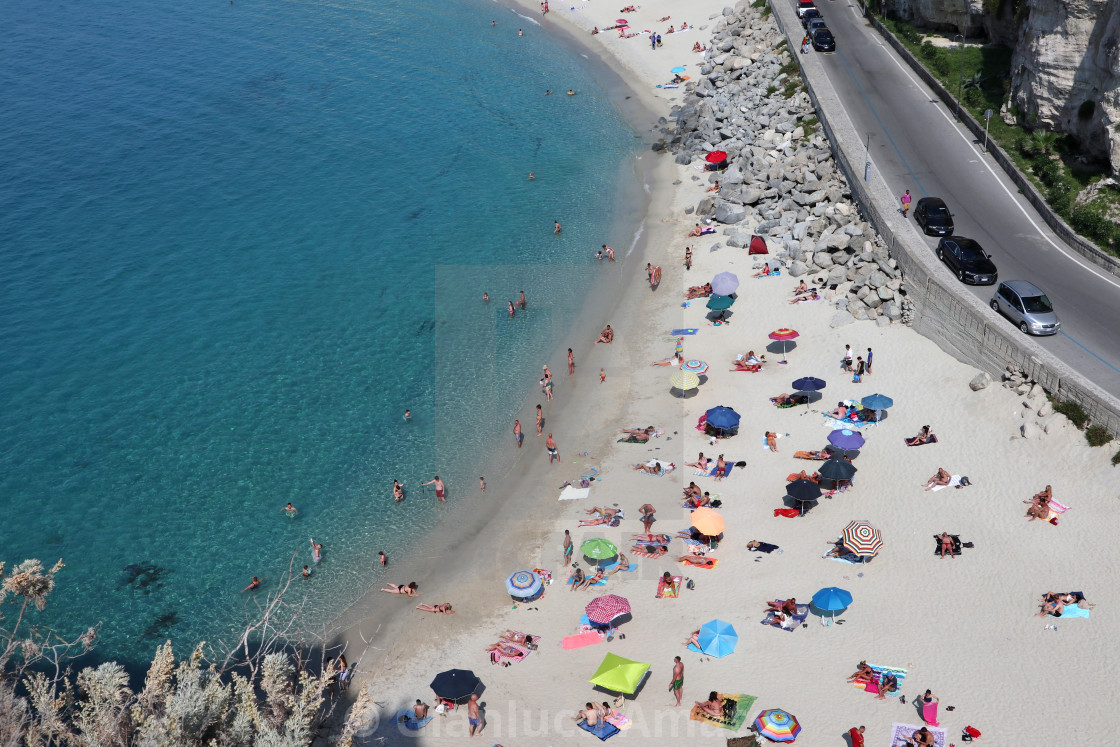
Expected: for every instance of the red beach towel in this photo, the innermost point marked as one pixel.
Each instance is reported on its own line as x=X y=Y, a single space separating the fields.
x=789 y=513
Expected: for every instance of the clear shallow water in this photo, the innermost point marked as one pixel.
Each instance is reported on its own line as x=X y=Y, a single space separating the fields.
x=237 y=242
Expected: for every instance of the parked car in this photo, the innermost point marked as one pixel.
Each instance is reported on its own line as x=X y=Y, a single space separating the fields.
x=967 y=259
x=933 y=215
x=823 y=41
x=804 y=5
x=1027 y=306
x=809 y=15
x=814 y=25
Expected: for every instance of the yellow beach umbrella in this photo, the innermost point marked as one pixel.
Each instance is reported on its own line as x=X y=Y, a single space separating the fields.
x=684 y=381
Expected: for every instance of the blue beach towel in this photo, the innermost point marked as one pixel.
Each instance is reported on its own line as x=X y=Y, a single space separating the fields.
x=603 y=730
x=600 y=582
x=727 y=467
x=688 y=331
x=633 y=567
x=1072 y=610
x=773 y=274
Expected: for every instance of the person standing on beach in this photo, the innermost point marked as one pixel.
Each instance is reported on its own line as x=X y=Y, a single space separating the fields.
x=540 y=421
x=906 y=203
x=848 y=358
x=567 y=548
x=572 y=362
x=517 y=436
x=546 y=383
x=553 y=451
x=688 y=258
x=521 y=301
x=474 y=717
x=860 y=367
x=602 y=375
x=869 y=354
x=677 y=685
x=441 y=489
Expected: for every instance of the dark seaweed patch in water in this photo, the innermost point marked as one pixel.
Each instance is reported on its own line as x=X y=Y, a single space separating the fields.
x=54 y=539
x=147 y=577
x=160 y=626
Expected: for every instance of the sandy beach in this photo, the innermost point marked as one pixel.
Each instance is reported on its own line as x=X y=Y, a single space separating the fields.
x=965 y=628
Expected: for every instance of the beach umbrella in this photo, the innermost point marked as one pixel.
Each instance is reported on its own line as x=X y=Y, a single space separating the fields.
x=707 y=521
x=716 y=156
x=720 y=303
x=803 y=491
x=695 y=366
x=837 y=469
x=598 y=548
x=622 y=22
x=862 y=539
x=619 y=675
x=832 y=600
x=809 y=384
x=606 y=609
x=725 y=283
x=878 y=403
x=846 y=439
x=777 y=725
x=524 y=584
x=684 y=380
x=782 y=335
x=455 y=685
x=722 y=418
x=717 y=638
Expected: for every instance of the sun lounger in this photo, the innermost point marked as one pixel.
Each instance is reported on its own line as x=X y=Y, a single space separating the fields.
x=793 y=622
x=669 y=591
x=603 y=730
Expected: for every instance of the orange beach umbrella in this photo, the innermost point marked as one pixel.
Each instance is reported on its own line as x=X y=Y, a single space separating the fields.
x=707 y=521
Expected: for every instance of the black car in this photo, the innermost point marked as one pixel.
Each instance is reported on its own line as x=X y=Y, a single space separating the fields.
x=967 y=259
x=933 y=215
x=823 y=41
x=809 y=15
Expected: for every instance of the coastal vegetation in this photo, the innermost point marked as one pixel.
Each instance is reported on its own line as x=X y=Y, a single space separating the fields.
x=1075 y=412
x=273 y=686
x=1097 y=435
x=1075 y=188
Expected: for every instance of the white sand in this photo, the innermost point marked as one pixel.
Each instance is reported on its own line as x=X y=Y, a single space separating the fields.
x=964 y=628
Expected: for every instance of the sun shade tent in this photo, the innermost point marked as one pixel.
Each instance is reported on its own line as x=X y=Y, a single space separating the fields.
x=758 y=245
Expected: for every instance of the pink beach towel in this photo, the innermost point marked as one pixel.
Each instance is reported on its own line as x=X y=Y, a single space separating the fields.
x=581 y=640
x=929 y=714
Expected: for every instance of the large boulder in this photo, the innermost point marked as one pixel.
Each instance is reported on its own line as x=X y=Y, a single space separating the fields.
x=729 y=212
x=838 y=274
x=705 y=205
x=797 y=268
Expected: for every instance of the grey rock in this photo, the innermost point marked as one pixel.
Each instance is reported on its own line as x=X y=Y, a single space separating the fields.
x=837 y=275
x=1023 y=389
x=683 y=159
x=884 y=321
x=1046 y=409
x=876 y=279
x=689 y=210
x=1030 y=430
x=797 y=268
x=886 y=294
x=980 y=381
x=1037 y=391
x=750 y=195
x=704 y=207
x=729 y=212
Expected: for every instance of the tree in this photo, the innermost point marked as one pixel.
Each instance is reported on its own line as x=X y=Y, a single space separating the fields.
x=1043 y=141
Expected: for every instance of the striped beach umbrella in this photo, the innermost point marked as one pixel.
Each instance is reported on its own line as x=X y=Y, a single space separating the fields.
x=862 y=539
x=695 y=366
x=777 y=725
x=523 y=584
x=782 y=335
x=684 y=380
x=606 y=609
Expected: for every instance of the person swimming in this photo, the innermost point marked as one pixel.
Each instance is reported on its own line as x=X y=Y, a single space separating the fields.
x=316 y=549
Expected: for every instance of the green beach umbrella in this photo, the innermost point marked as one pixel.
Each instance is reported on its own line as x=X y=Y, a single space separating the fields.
x=619 y=675
x=598 y=548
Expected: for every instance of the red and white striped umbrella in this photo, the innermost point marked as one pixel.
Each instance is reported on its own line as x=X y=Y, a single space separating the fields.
x=605 y=609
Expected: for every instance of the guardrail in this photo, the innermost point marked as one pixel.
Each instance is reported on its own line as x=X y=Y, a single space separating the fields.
x=1077 y=242
x=958 y=322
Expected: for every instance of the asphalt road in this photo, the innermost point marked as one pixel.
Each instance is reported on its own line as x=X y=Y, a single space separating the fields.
x=917 y=144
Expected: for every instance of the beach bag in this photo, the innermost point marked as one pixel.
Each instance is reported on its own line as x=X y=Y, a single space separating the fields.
x=855 y=379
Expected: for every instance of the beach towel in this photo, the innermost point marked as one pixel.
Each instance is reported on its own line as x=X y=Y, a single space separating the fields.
x=1072 y=610
x=651 y=539
x=773 y=274
x=546 y=576
x=406 y=717
x=789 y=513
x=793 y=622
x=932 y=440
x=743 y=705
x=669 y=591
x=954 y=481
x=900 y=733
x=873 y=686
x=617 y=719
x=849 y=558
x=1058 y=508
x=956 y=544
x=835 y=423
x=580 y=640
x=508 y=650
x=688 y=331
x=929 y=713
x=752 y=368
x=701 y=562
x=761 y=547
x=797 y=476
x=600 y=582
x=603 y=730
x=666 y=467
x=572 y=493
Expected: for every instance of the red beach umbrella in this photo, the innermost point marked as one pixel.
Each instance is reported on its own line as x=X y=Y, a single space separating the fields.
x=784 y=334
x=604 y=610
x=716 y=156
x=622 y=22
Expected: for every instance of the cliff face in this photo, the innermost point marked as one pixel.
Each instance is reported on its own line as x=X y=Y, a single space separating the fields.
x=1065 y=71
x=957 y=16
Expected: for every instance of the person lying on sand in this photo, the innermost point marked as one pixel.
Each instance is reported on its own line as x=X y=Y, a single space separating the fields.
x=803 y=475
x=838 y=550
x=818 y=456
x=442 y=609
x=653 y=469
x=639 y=434
x=772 y=440
x=693 y=639
x=789 y=399
x=699 y=562
x=946 y=544
x=714 y=188
x=607 y=335
x=628 y=9
x=713 y=706
x=605 y=516
x=863 y=673
x=506 y=651
x=812 y=296
x=674 y=361
x=521 y=639
x=663 y=20
x=699 y=291
x=888 y=683
x=941 y=478
x=788 y=607
x=701 y=463
x=411 y=590
x=925 y=436
x=840 y=413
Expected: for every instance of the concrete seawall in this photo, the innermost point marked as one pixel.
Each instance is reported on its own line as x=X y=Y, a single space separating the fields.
x=955 y=320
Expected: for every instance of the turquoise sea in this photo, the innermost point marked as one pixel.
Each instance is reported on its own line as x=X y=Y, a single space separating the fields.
x=237 y=241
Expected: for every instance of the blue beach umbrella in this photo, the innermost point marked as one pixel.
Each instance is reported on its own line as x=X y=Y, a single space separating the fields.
x=720 y=303
x=717 y=638
x=809 y=384
x=845 y=439
x=722 y=418
x=877 y=402
x=523 y=584
x=832 y=599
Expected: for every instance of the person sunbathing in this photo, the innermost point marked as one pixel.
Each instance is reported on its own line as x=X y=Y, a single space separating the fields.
x=922 y=738
x=701 y=464
x=622 y=565
x=652 y=469
x=649 y=551
x=642 y=435
x=721 y=468
x=800 y=288
x=818 y=456
x=838 y=550
x=925 y=436
x=674 y=361
x=812 y=296
x=521 y=639
x=692 y=491
x=743 y=364
x=628 y=9
x=772 y=440
x=605 y=516
x=888 y=683
x=699 y=291
x=410 y=590
x=694 y=639
x=607 y=335
x=941 y=478
x=840 y=413
x=577 y=579
x=442 y=609
x=946 y=544
x=1040 y=504
x=595 y=31
x=1053 y=607
x=684 y=25
x=697 y=560
x=663 y=20
x=507 y=650
x=788 y=607
x=714 y=188
x=713 y=706
x=789 y=399
x=803 y=475
x=763 y=272
x=697 y=47
x=590 y=581
x=698 y=231
x=863 y=673
x=698 y=501
x=777 y=619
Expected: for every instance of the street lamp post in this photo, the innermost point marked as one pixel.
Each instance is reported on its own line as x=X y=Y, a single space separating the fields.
x=960 y=81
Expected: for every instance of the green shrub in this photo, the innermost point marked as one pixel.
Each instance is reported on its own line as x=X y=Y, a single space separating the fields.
x=1059 y=197
x=1046 y=169
x=927 y=50
x=1097 y=435
x=1073 y=411
x=758 y=4
x=972 y=96
x=792 y=87
x=1090 y=223
x=790 y=67
x=940 y=64
x=1116 y=459
x=765 y=12
x=770 y=90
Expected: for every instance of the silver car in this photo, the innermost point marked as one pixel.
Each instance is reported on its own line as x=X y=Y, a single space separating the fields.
x=1027 y=306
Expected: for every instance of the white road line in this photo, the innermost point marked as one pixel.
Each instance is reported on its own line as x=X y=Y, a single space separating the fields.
x=1107 y=277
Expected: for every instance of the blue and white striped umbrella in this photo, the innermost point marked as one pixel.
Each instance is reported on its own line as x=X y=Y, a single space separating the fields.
x=523 y=584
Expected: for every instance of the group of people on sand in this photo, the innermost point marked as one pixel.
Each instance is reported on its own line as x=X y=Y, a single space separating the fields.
x=925 y=436
x=704 y=464
x=1054 y=603
x=699 y=291
x=1039 y=507
x=694 y=497
x=749 y=362
x=803 y=292
x=593 y=713
x=782 y=612
x=411 y=589
x=603 y=515
x=606 y=336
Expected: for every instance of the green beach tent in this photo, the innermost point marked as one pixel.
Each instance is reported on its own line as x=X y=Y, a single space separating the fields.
x=619 y=675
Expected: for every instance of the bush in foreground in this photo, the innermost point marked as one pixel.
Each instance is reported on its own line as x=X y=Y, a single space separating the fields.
x=1074 y=412
x=1097 y=435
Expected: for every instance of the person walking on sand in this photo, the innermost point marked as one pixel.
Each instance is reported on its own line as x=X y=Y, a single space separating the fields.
x=677 y=685
x=571 y=362
x=567 y=545
x=441 y=489
x=906 y=203
x=553 y=451
x=474 y=717
x=517 y=435
x=847 y=362
x=540 y=420
x=602 y=375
